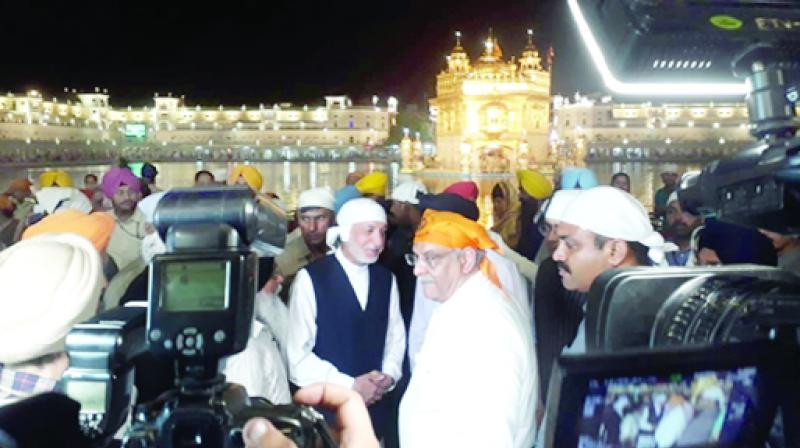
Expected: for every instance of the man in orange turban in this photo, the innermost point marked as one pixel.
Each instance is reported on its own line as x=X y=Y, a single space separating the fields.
x=476 y=329
x=95 y=227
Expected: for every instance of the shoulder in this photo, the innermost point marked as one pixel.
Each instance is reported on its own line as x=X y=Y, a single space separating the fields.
x=321 y=265
x=482 y=299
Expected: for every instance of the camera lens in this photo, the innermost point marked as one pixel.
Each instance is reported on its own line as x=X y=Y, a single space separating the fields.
x=725 y=308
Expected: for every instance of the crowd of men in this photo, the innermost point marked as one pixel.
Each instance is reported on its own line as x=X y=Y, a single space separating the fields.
x=424 y=327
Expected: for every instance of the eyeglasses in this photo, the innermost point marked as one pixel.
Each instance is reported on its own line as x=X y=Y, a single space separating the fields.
x=542 y=225
x=431 y=259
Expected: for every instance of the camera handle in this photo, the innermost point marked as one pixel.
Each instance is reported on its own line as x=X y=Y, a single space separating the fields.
x=772 y=115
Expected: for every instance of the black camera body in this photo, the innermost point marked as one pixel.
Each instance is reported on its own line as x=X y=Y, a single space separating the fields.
x=199 y=310
x=100 y=374
x=199 y=303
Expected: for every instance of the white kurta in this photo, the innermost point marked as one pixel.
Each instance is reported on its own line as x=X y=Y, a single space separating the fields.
x=307 y=368
x=475 y=381
x=261 y=367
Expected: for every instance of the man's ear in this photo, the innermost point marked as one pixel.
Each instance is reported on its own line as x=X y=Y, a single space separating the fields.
x=470 y=258
x=617 y=252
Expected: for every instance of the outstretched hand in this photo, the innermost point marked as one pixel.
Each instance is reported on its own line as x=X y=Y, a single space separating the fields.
x=353 y=423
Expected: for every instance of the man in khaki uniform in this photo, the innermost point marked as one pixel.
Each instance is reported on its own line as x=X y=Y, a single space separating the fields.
x=125 y=191
x=315 y=216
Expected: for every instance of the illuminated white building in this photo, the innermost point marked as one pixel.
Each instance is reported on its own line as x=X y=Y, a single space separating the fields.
x=29 y=121
x=602 y=129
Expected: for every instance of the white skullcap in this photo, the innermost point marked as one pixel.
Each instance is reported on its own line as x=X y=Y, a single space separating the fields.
x=352 y=212
x=612 y=213
x=669 y=168
x=317 y=198
x=39 y=306
x=407 y=192
x=559 y=202
x=148 y=205
x=52 y=199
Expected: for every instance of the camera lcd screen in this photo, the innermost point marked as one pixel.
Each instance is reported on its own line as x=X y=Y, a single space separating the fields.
x=188 y=286
x=90 y=394
x=695 y=409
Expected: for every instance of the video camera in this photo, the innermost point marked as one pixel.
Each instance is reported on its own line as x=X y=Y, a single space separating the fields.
x=653 y=321
x=714 y=48
x=199 y=310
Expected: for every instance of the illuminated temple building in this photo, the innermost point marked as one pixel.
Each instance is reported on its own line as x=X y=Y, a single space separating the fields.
x=601 y=128
x=492 y=114
x=87 y=122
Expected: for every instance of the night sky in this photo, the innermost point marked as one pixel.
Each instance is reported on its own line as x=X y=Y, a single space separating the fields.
x=248 y=52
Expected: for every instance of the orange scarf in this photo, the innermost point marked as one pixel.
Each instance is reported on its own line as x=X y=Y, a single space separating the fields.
x=452 y=230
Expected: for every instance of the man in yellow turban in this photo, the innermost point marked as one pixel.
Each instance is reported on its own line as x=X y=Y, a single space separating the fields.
x=534 y=184
x=533 y=189
x=246 y=175
x=373 y=185
x=476 y=328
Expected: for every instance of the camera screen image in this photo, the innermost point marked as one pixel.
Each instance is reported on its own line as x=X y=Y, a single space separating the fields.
x=681 y=410
x=91 y=394
x=195 y=286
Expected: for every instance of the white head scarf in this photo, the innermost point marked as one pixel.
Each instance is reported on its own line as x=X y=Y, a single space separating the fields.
x=610 y=212
x=352 y=212
x=316 y=197
x=152 y=244
x=669 y=168
x=52 y=199
x=407 y=192
x=37 y=311
x=148 y=205
x=559 y=202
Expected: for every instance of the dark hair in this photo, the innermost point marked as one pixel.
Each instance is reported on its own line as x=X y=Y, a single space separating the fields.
x=638 y=250
x=736 y=244
x=201 y=172
x=93 y=176
x=621 y=174
x=497 y=191
x=149 y=172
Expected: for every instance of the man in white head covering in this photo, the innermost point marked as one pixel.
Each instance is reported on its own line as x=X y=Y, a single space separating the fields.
x=669 y=176
x=54 y=199
x=598 y=229
x=37 y=311
x=601 y=229
x=314 y=217
x=404 y=198
x=345 y=324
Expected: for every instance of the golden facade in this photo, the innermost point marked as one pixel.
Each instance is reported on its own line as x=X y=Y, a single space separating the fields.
x=492 y=115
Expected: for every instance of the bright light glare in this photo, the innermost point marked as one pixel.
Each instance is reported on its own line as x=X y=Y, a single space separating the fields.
x=649 y=89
